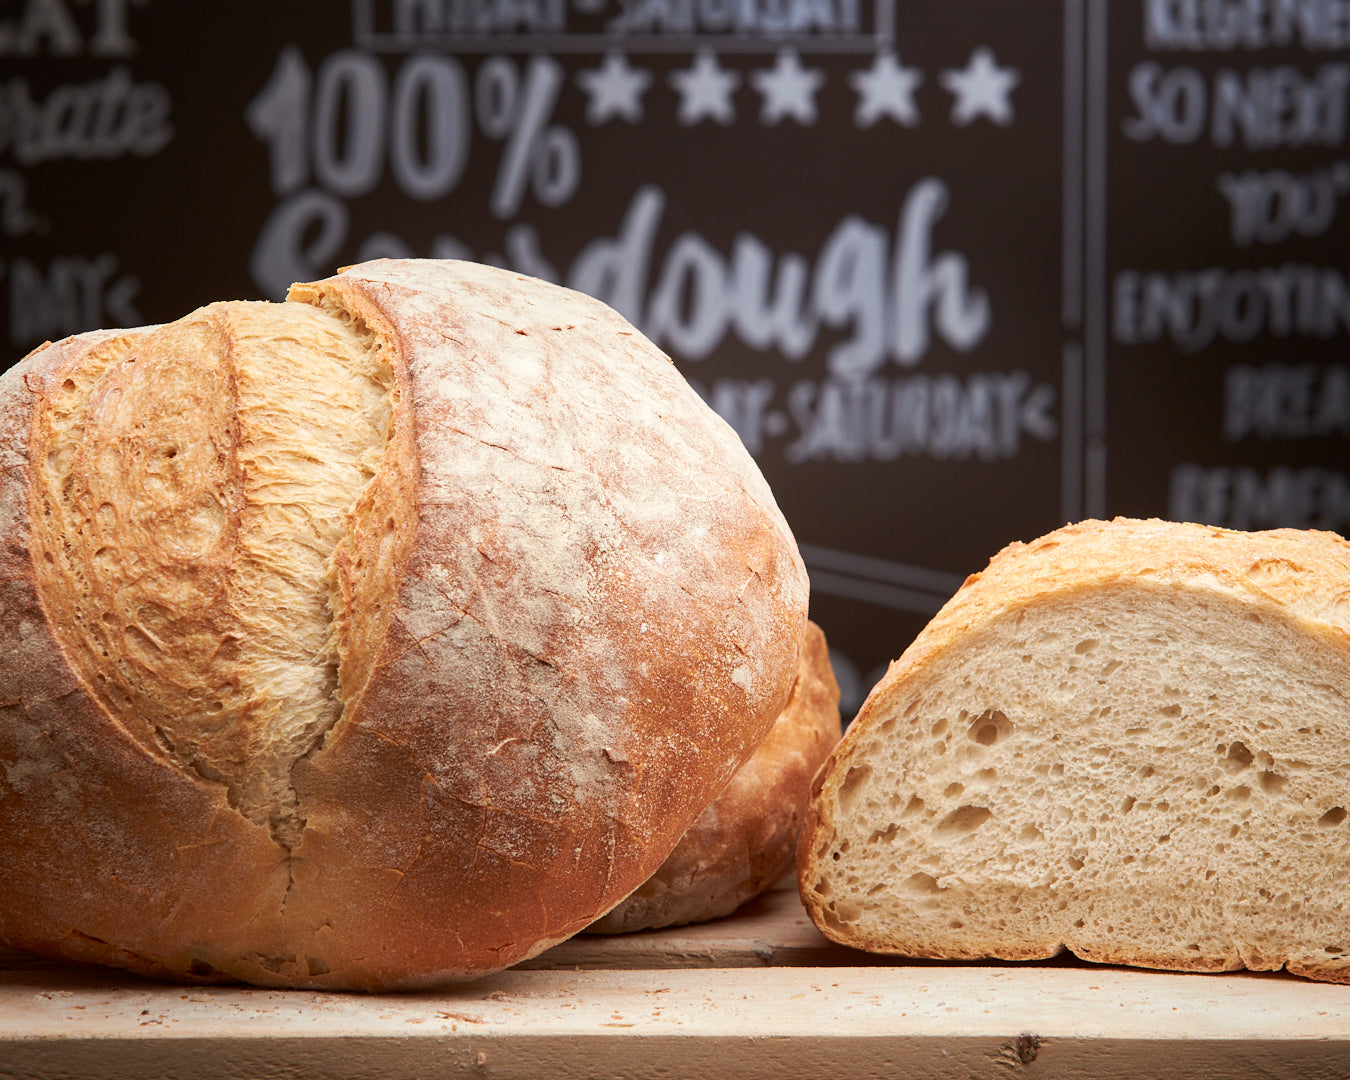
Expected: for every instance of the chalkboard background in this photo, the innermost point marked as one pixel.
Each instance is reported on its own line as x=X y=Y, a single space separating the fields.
x=956 y=271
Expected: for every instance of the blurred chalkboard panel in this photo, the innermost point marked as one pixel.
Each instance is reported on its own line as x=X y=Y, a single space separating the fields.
x=956 y=272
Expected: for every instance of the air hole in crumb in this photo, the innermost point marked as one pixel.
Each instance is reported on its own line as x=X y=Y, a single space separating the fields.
x=940 y=727
x=915 y=806
x=953 y=790
x=1171 y=710
x=1030 y=834
x=1075 y=862
x=1334 y=816
x=921 y=884
x=1242 y=791
x=1086 y=646
x=990 y=727
x=1128 y=804
x=854 y=780
x=886 y=835
x=1146 y=771
x=987 y=775
x=1238 y=757
x=1272 y=783
x=962 y=820
x=1079 y=923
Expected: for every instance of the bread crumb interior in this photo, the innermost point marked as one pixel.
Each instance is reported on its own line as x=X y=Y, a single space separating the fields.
x=1156 y=777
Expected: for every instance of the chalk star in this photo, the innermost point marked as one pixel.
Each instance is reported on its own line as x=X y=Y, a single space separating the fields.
x=886 y=89
x=788 y=89
x=614 y=89
x=981 y=88
x=705 y=90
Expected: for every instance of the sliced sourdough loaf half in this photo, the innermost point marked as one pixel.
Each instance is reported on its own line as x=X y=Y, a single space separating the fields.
x=746 y=839
x=1126 y=739
x=376 y=639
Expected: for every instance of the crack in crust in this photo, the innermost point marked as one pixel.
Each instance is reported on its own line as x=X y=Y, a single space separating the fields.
x=194 y=487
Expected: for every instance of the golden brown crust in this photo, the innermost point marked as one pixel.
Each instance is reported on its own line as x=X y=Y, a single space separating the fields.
x=567 y=609
x=1252 y=617
x=108 y=853
x=744 y=841
x=592 y=640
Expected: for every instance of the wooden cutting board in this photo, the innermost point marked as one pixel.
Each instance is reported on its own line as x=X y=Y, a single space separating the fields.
x=760 y=994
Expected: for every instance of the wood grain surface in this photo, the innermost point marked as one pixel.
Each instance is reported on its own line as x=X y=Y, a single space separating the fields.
x=760 y=994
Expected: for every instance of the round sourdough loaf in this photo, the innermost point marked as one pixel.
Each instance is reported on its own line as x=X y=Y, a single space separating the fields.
x=1127 y=739
x=744 y=841
x=376 y=639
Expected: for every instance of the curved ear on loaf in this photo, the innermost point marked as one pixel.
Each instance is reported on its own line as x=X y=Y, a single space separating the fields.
x=1125 y=739
x=375 y=639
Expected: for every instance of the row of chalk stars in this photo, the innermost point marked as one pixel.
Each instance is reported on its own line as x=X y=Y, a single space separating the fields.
x=788 y=89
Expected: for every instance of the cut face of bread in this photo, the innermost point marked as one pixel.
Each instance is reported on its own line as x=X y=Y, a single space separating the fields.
x=1127 y=740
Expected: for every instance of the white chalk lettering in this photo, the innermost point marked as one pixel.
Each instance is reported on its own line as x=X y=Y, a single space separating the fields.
x=1224 y=25
x=736 y=16
x=414 y=17
x=106 y=118
x=73 y=294
x=765 y=319
x=616 y=270
x=16 y=216
x=743 y=403
x=1244 y=498
x=692 y=267
x=892 y=306
x=1276 y=107
x=1260 y=109
x=1170 y=105
x=345 y=121
x=943 y=417
x=1269 y=207
x=1193 y=308
x=1286 y=401
x=51 y=26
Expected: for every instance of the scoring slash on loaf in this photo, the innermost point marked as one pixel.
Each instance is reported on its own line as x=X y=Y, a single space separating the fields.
x=372 y=640
x=1126 y=739
x=746 y=838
